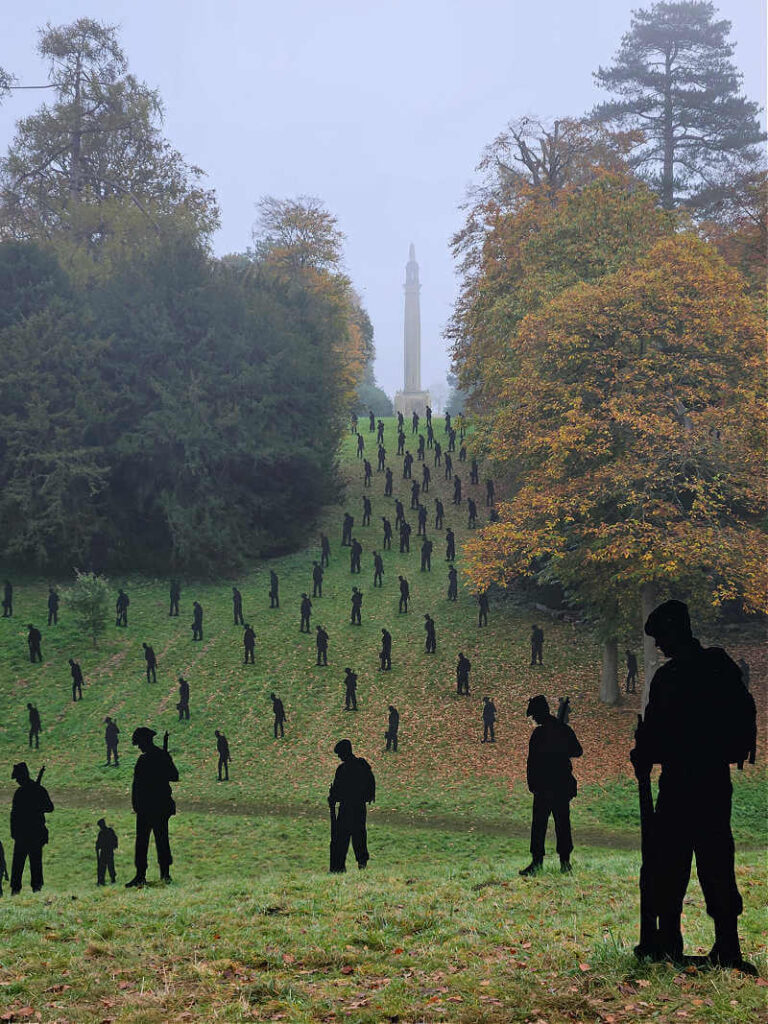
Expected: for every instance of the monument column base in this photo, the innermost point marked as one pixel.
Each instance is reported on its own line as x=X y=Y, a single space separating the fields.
x=408 y=402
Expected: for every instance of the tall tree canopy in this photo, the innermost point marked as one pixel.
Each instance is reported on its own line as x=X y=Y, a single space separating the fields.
x=675 y=82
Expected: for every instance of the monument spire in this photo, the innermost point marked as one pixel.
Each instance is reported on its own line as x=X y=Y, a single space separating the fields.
x=412 y=398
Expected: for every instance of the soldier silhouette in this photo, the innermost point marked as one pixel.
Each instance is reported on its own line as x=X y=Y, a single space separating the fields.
x=388 y=483
x=325 y=550
x=249 y=643
x=35 y=726
x=378 y=570
x=420 y=451
x=450 y=545
x=447 y=423
x=400 y=442
x=121 y=608
x=34 y=639
x=463 y=666
x=463 y=453
x=407 y=464
x=354 y=555
x=474 y=472
x=439 y=513
x=278 y=711
x=453 y=584
x=353 y=423
x=77 y=679
x=426 y=555
x=367 y=473
x=448 y=466
x=493 y=515
x=399 y=513
x=428 y=414
x=371 y=421
x=490 y=492
x=550 y=779
x=7 y=600
x=151 y=663
x=415 y=491
x=438 y=453
x=366 y=510
x=306 y=613
x=430 y=436
x=457 y=490
x=631 y=684
x=353 y=787
x=321 y=642
x=237 y=607
x=537 y=644
x=405 y=594
x=153 y=805
x=451 y=440
x=197 y=621
x=482 y=606
x=106 y=844
x=387 y=527
x=422 y=530
x=360 y=446
x=405 y=537
x=183 y=705
x=3 y=868
x=393 y=727
x=380 y=431
x=489 y=720
x=274 y=589
x=400 y=421
x=30 y=805
x=357 y=604
x=430 y=643
x=385 y=654
x=471 y=514
x=415 y=422
x=53 y=607
x=350 y=690
x=222 y=748
x=346 y=530
x=111 y=738
x=175 y=596
x=700 y=719
x=317 y=580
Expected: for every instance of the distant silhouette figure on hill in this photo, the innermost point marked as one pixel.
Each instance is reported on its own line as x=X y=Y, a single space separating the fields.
x=249 y=644
x=237 y=607
x=183 y=705
x=354 y=786
x=405 y=595
x=453 y=584
x=346 y=530
x=350 y=690
x=35 y=726
x=30 y=805
x=7 y=600
x=471 y=514
x=426 y=555
x=354 y=555
x=321 y=640
x=463 y=666
x=483 y=606
x=489 y=720
x=197 y=621
x=366 y=510
x=360 y=446
x=378 y=570
x=274 y=589
x=106 y=844
x=317 y=580
x=457 y=490
x=631 y=684
x=175 y=597
x=448 y=466
x=357 y=604
x=111 y=738
x=53 y=607
x=393 y=728
x=34 y=639
x=388 y=481
x=278 y=711
x=537 y=644
x=151 y=663
x=438 y=453
x=385 y=655
x=306 y=614
x=77 y=679
x=222 y=748
x=387 y=528
x=325 y=550
x=450 y=545
x=367 y=474
x=430 y=644
x=121 y=608
x=4 y=876
x=439 y=513
x=153 y=804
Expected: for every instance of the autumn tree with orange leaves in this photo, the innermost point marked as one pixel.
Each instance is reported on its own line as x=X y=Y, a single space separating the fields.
x=633 y=426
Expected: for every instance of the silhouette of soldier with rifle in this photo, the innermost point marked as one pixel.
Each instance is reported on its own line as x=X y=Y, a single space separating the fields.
x=152 y=803
x=387 y=526
x=30 y=805
x=77 y=679
x=388 y=483
x=450 y=545
x=353 y=787
x=463 y=665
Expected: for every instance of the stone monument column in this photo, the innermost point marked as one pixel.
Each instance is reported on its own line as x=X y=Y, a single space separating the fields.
x=412 y=399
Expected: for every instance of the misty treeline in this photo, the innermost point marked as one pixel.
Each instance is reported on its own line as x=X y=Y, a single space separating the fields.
x=609 y=336
x=159 y=408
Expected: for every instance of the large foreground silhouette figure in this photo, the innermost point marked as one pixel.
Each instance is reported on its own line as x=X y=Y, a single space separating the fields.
x=700 y=718
x=153 y=804
x=353 y=787
x=30 y=805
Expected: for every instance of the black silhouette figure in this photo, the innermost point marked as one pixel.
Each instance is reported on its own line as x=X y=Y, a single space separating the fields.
x=430 y=436
x=35 y=727
x=400 y=442
x=631 y=684
x=249 y=644
x=385 y=654
x=350 y=690
x=34 y=639
x=448 y=465
x=353 y=787
x=222 y=748
x=400 y=421
x=366 y=510
x=407 y=464
x=490 y=492
x=415 y=491
x=279 y=712
x=420 y=449
x=422 y=530
x=111 y=738
x=346 y=530
x=274 y=589
x=537 y=644
x=426 y=555
x=447 y=424
x=450 y=545
x=30 y=805
x=463 y=453
x=175 y=597
x=151 y=661
x=53 y=607
x=321 y=641
x=439 y=513
x=493 y=515
x=457 y=490
x=472 y=514
x=7 y=600
x=77 y=679
x=482 y=608
x=453 y=584
x=325 y=550
x=550 y=779
x=428 y=414
x=415 y=423
x=371 y=421
x=430 y=643
x=451 y=440
x=700 y=718
x=197 y=621
x=489 y=720
x=121 y=608
x=237 y=607
x=378 y=570
x=388 y=483
x=438 y=453
x=353 y=423
x=367 y=473
x=474 y=472
x=405 y=594
x=399 y=513
x=360 y=446
x=380 y=431
x=3 y=868
x=183 y=705
x=153 y=804
x=392 y=729
x=405 y=537
x=387 y=527
x=354 y=555
x=306 y=614
x=317 y=580
x=357 y=604
x=106 y=844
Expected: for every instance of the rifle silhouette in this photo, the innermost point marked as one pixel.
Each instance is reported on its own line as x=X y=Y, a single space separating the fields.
x=40 y=774
x=334 y=844
x=564 y=710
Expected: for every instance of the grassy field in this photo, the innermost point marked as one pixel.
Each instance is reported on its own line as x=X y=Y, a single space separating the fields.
x=253 y=928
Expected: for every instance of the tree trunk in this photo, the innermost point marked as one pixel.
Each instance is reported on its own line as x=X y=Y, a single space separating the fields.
x=609 y=679
x=668 y=169
x=649 y=601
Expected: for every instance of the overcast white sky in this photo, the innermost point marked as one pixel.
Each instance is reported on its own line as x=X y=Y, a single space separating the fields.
x=379 y=108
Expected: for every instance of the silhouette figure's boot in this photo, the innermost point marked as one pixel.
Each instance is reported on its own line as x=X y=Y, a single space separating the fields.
x=533 y=868
x=726 y=951
x=136 y=883
x=670 y=938
x=565 y=866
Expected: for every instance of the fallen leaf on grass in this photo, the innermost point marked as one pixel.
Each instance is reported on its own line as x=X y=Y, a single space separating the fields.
x=584 y=967
x=347 y=969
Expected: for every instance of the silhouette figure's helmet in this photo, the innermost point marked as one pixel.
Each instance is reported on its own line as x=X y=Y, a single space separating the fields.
x=142 y=735
x=101 y=823
x=537 y=705
x=20 y=771
x=670 y=619
x=343 y=748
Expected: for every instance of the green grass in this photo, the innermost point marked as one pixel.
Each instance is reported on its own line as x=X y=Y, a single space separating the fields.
x=451 y=814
